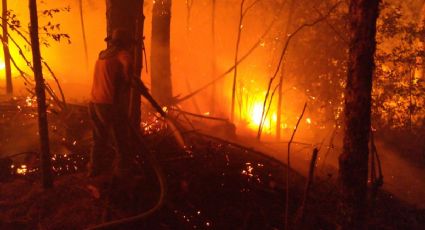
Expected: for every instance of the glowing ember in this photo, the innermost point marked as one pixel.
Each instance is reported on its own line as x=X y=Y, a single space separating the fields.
x=29 y=101
x=22 y=170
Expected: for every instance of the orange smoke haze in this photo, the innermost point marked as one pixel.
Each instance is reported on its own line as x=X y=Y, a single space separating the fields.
x=67 y=60
x=191 y=56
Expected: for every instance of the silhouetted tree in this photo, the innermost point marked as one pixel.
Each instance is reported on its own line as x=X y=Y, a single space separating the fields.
x=280 y=89
x=213 y=55
x=160 y=52
x=353 y=162
x=8 y=71
x=128 y=14
x=46 y=165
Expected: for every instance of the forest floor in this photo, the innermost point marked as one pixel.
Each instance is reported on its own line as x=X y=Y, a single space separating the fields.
x=402 y=178
x=211 y=183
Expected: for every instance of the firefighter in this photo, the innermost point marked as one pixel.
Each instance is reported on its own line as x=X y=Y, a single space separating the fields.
x=109 y=106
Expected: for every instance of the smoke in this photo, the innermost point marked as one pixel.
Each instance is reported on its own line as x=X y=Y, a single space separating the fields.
x=67 y=60
x=192 y=55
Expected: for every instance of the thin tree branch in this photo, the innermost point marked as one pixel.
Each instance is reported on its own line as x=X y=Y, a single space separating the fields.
x=43 y=61
x=15 y=29
x=57 y=82
x=285 y=48
x=302 y=210
x=249 y=7
x=21 y=52
x=235 y=72
x=288 y=169
x=263 y=119
x=335 y=30
x=50 y=91
x=22 y=73
x=83 y=30
x=247 y=54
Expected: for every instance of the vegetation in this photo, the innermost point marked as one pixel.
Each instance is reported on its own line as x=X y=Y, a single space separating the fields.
x=356 y=70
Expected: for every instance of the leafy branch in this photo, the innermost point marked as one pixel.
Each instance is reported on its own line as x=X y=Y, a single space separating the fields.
x=15 y=25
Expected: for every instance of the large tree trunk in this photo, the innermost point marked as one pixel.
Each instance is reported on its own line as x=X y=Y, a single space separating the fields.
x=123 y=14
x=353 y=162
x=8 y=71
x=46 y=165
x=128 y=15
x=160 y=52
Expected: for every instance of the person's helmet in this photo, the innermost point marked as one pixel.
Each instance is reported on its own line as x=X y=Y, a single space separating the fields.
x=120 y=37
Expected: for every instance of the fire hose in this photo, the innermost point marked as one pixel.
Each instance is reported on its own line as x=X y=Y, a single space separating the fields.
x=163 y=191
x=156 y=168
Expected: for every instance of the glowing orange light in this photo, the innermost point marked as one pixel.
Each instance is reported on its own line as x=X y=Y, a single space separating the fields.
x=22 y=170
x=308 y=120
x=256 y=114
x=2 y=67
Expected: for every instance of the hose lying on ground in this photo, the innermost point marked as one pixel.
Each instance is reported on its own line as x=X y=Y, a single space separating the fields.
x=156 y=167
x=153 y=162
x=162 y=186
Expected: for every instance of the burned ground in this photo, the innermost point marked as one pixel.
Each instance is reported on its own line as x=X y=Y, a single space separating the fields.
x=211 y=184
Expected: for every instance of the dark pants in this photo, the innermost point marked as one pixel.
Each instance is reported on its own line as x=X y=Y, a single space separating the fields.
x=110 y=129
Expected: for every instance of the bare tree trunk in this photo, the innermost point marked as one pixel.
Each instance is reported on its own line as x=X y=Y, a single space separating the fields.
x=242 y=14
x=128 y=14
x=135 y=104
x=46 y=165
x=160 y=52
x=123 y=14
x=353 y=162
x=83 y=31
x=282 y=56
x=213 y=57
x=282 y=73
x=235 y=73
x=8 y=71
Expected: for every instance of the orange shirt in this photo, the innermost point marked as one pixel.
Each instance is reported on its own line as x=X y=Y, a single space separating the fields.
x=111 y=77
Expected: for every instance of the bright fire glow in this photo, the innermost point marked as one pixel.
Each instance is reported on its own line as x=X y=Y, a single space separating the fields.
x=256 y=114
x=2 y=67
x=249 y=107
